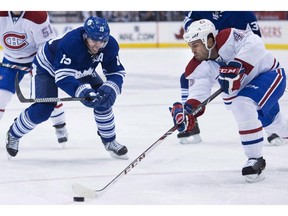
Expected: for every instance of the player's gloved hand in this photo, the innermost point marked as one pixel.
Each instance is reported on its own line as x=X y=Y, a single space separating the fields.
x=230 y=76
x=190 y=118
x=178 y=115
x=106 y=95
x=88 y=93
x=188 y=108
x=182 y=116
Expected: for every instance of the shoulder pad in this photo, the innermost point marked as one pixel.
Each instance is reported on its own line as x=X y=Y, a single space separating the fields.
x=37 y=17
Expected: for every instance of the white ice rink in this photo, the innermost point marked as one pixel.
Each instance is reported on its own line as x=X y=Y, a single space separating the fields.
x=201 y=174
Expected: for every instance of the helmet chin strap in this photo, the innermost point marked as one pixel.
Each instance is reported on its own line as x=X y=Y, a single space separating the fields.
x=210 y=49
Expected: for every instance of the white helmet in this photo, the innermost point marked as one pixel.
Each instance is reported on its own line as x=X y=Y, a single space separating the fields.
x=200 y=30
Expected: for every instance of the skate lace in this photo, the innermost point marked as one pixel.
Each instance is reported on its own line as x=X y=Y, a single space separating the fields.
x=13 y=142
x=113 y=146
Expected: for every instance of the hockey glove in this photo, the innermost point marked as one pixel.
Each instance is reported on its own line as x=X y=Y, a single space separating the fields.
x=88 y=93
x=182 y=117
x=106 y=95
x=230 y=76
x=190 y=118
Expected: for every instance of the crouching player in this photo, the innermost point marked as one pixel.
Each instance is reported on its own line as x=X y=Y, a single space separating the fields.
x=252 y=81
x=69 y=63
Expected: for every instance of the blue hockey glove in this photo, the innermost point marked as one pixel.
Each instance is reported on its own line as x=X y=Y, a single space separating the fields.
x=230 y=76
x=106 y=95
x=88 y=93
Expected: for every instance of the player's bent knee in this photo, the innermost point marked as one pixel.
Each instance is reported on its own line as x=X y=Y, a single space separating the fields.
x=39 y=112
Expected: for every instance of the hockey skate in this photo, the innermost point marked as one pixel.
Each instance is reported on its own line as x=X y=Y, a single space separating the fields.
x=274 y=139
x=190 y=137
x=116 y=150
x=61 y=133
x=12 y=144
x=252 y=170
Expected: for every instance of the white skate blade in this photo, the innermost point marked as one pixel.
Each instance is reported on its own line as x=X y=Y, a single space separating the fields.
x=9 y=157
x=122 y=157
x=63 y=145
x=254 y=178
x=190 y=140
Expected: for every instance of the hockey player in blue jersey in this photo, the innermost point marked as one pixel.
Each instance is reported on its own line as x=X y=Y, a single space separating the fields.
x=222 y=20
x=69 y=63
x=225 y=19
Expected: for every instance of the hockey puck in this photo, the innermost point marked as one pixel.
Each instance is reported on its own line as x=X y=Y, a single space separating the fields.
x=78 y=199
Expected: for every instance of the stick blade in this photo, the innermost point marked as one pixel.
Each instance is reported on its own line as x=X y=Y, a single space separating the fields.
x=82 y=191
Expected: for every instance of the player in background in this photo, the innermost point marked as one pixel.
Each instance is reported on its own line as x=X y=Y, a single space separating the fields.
x=252 y=81
x=70 y=63
x=22 y=33
x=221 y=19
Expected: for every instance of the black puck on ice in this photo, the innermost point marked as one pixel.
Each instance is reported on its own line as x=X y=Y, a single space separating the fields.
x=78 y=199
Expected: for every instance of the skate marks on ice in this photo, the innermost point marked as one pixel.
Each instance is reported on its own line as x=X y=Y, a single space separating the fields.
x=151 y=188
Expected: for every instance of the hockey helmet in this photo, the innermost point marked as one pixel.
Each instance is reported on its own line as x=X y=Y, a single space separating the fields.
x=97 y=28
x=200 y=30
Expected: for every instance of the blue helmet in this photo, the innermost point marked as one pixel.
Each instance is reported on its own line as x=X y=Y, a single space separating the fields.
x=97 y=28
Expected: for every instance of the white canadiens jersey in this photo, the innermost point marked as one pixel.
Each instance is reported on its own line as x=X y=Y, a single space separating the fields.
x=231 y=44
x=21 y=39
x=202 y=79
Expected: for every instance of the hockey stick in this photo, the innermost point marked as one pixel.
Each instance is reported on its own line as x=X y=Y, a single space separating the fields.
x=40 y=100
x=27 y=69
x=90 y=193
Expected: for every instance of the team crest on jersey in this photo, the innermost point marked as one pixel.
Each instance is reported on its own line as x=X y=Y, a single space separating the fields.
x=80 y=74
x=15 y=41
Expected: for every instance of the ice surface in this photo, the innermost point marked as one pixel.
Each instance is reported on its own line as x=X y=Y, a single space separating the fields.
x=201 y=174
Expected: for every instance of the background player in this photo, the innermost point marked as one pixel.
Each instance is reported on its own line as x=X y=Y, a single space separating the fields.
x=252 y=81
x=22 y=33
x=221 y=19
x=69 y=63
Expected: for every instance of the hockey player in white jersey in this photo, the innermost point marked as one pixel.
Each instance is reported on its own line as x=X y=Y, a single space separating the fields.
x=221 y=20
x=252 y=81
x=22 y=33
x=69 y=62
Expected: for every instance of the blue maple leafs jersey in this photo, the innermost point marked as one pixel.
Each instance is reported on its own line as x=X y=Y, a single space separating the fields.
x=68 y=59
x=225 y=19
